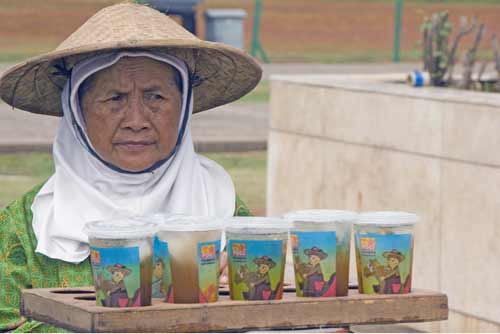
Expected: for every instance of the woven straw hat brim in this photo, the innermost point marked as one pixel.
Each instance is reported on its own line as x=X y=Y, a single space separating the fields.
x=220 y=73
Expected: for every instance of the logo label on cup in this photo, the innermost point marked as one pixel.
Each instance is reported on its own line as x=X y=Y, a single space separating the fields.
x=368 y=246
x=208 y=271
x=295 y=241
x=239 y=251
x=95 y=256
x=208 y=253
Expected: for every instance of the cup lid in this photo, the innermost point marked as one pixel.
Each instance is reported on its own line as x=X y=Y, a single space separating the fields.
x=181 y=223
x=321 y=216
x=387 y=218
x=160 y=218
x=120 y=228
x=256 y=225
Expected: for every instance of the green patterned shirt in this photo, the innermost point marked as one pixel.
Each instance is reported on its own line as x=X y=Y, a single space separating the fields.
x=22 y=268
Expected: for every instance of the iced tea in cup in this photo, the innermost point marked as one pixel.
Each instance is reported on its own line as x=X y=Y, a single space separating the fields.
x=162 y=276
x=384 y=251
x=194 y=251
x=256 y=251
x=321 y=242
x=121 y=254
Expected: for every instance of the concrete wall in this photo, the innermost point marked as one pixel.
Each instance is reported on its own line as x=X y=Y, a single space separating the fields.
x=364 y=144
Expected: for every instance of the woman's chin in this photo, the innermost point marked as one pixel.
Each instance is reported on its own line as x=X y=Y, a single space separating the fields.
x=135 y=164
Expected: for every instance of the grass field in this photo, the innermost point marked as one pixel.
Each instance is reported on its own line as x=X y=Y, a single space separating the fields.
x=21 y=172
x=291 y=30
x=260 y=93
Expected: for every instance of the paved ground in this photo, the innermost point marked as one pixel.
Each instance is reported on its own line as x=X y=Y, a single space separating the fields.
x=234 y=127
x=364 y=68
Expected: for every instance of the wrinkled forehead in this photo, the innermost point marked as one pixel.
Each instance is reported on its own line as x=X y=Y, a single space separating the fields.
x=137 y=70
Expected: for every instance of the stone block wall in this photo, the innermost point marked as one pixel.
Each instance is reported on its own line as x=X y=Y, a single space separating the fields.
x=367 y=143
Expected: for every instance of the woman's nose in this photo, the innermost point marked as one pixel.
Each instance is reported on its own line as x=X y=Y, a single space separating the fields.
x=136 y=118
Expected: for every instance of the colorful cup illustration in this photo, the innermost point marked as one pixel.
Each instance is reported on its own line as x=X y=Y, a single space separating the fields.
x=121 y=253
x=321 y=245
x=162 y=274
x=194 y=252
x=256 y=249
x=384 y=252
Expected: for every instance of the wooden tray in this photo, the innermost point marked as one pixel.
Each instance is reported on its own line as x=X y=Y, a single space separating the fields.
x=75 y=310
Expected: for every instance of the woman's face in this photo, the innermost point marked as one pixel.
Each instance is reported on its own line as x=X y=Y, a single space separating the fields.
x=132 y=112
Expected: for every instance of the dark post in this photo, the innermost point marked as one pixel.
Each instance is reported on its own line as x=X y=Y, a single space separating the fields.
x=397 y=31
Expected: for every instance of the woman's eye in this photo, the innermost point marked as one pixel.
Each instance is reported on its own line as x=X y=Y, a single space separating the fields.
x=154 y=96
x=117 y=97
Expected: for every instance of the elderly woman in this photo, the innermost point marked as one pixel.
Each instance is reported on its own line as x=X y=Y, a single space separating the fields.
x=126 y=83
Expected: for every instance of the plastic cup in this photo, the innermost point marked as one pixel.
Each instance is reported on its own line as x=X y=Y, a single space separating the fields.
x=256 y=257
x=194 y=250
x=121 y=252
x=321 y=245
x=384 y=252
x=162 y=274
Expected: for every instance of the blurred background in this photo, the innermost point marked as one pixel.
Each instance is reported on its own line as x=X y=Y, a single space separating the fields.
x=292 y=36
x=324 y=31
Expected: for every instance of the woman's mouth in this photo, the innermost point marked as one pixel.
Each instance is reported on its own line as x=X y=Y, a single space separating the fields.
x=135 y=145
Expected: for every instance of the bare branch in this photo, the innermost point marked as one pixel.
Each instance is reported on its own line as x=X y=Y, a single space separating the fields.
x=482 y=69
x=438 y=43
x=496 y=59
x=496 y=52
x=463 y=31
x=470 y=58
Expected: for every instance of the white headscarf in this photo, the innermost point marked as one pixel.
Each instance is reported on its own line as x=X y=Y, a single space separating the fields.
x=85 y=188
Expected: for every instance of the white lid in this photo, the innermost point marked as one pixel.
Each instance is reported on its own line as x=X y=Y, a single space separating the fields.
x=387 y=218
x=120 y=228
x=160 y=218
x=191 y=223
x=321 y=216
x=256 y=225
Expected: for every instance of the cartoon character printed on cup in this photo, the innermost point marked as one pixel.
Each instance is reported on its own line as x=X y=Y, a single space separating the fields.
x=311 y=275
x=117 y=290
x=388 y=276
x=159 y=283
x=113 y=292
x=258 y=283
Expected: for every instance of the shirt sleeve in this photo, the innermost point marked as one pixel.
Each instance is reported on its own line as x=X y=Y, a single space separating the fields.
x=15 y=274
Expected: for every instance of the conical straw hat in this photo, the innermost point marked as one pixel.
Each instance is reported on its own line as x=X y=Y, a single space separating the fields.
x=220 y=73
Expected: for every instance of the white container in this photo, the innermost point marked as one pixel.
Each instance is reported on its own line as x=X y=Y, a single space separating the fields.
x=121 y=255
x=194 y=251
x=326 y=234
x=256 y=257
x=384 y=251
x=162 y=273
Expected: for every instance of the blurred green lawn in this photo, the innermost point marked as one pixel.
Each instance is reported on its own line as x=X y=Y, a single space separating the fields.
x=21 y=172
x=260 y=93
